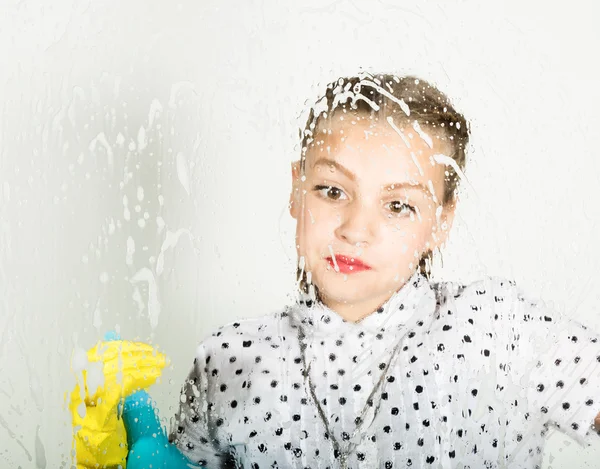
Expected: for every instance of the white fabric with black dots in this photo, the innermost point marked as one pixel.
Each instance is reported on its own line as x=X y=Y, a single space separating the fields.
x=480 y=374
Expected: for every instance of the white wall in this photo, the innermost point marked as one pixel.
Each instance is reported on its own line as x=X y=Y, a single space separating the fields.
x=98 y=99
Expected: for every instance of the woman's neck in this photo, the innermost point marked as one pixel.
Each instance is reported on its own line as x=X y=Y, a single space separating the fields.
x=355 y=312
x=358 y=310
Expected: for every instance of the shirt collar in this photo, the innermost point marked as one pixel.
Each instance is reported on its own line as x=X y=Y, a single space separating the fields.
x=416 y=295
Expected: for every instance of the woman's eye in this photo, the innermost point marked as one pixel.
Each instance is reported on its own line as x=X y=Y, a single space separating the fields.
x=330 y=192
x=400 y=207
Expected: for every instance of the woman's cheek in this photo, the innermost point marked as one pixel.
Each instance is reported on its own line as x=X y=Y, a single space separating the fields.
x=327 y=215
x=312 y=211
x=400 y=243
x=320 y=223
x=429 y=230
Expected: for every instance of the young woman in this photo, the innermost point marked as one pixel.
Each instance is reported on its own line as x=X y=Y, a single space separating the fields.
x=376 y=365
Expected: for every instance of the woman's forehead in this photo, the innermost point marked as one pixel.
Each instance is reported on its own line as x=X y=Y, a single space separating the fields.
x=377 y=150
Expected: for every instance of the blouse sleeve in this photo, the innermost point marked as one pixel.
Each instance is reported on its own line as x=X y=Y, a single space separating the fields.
x=194 y=431
x=559 y=361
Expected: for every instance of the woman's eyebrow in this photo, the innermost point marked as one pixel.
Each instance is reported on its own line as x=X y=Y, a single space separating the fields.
x=329 y=162
x=407 y=185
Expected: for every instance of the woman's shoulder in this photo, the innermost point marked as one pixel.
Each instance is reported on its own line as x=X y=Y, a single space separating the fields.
x=248 y=332
x=497 y=298
x=500 y=289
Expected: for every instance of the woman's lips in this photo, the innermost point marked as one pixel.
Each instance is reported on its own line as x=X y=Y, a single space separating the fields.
x=347 y=264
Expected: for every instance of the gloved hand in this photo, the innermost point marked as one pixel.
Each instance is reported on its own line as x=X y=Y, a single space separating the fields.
x=100 y=439
x=147 y=442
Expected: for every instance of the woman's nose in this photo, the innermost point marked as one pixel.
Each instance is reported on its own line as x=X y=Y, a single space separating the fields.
x=357 y=224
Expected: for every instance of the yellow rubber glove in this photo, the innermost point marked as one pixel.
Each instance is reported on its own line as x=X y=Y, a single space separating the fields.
x=99 y=438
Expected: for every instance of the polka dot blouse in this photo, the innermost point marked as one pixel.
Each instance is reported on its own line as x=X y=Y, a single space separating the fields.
x=442 y=375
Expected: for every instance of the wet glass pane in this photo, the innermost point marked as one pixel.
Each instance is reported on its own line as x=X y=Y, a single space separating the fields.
x=149 y=154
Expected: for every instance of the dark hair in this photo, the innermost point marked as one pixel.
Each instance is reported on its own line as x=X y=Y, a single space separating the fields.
x=407 y=99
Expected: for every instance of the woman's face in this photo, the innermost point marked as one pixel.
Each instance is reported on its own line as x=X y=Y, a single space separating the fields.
x=367 y=210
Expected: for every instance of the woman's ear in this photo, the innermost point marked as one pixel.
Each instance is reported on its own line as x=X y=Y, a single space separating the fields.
x=295 y=193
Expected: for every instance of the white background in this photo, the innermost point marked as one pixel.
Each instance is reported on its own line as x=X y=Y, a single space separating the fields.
x=196 y=106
